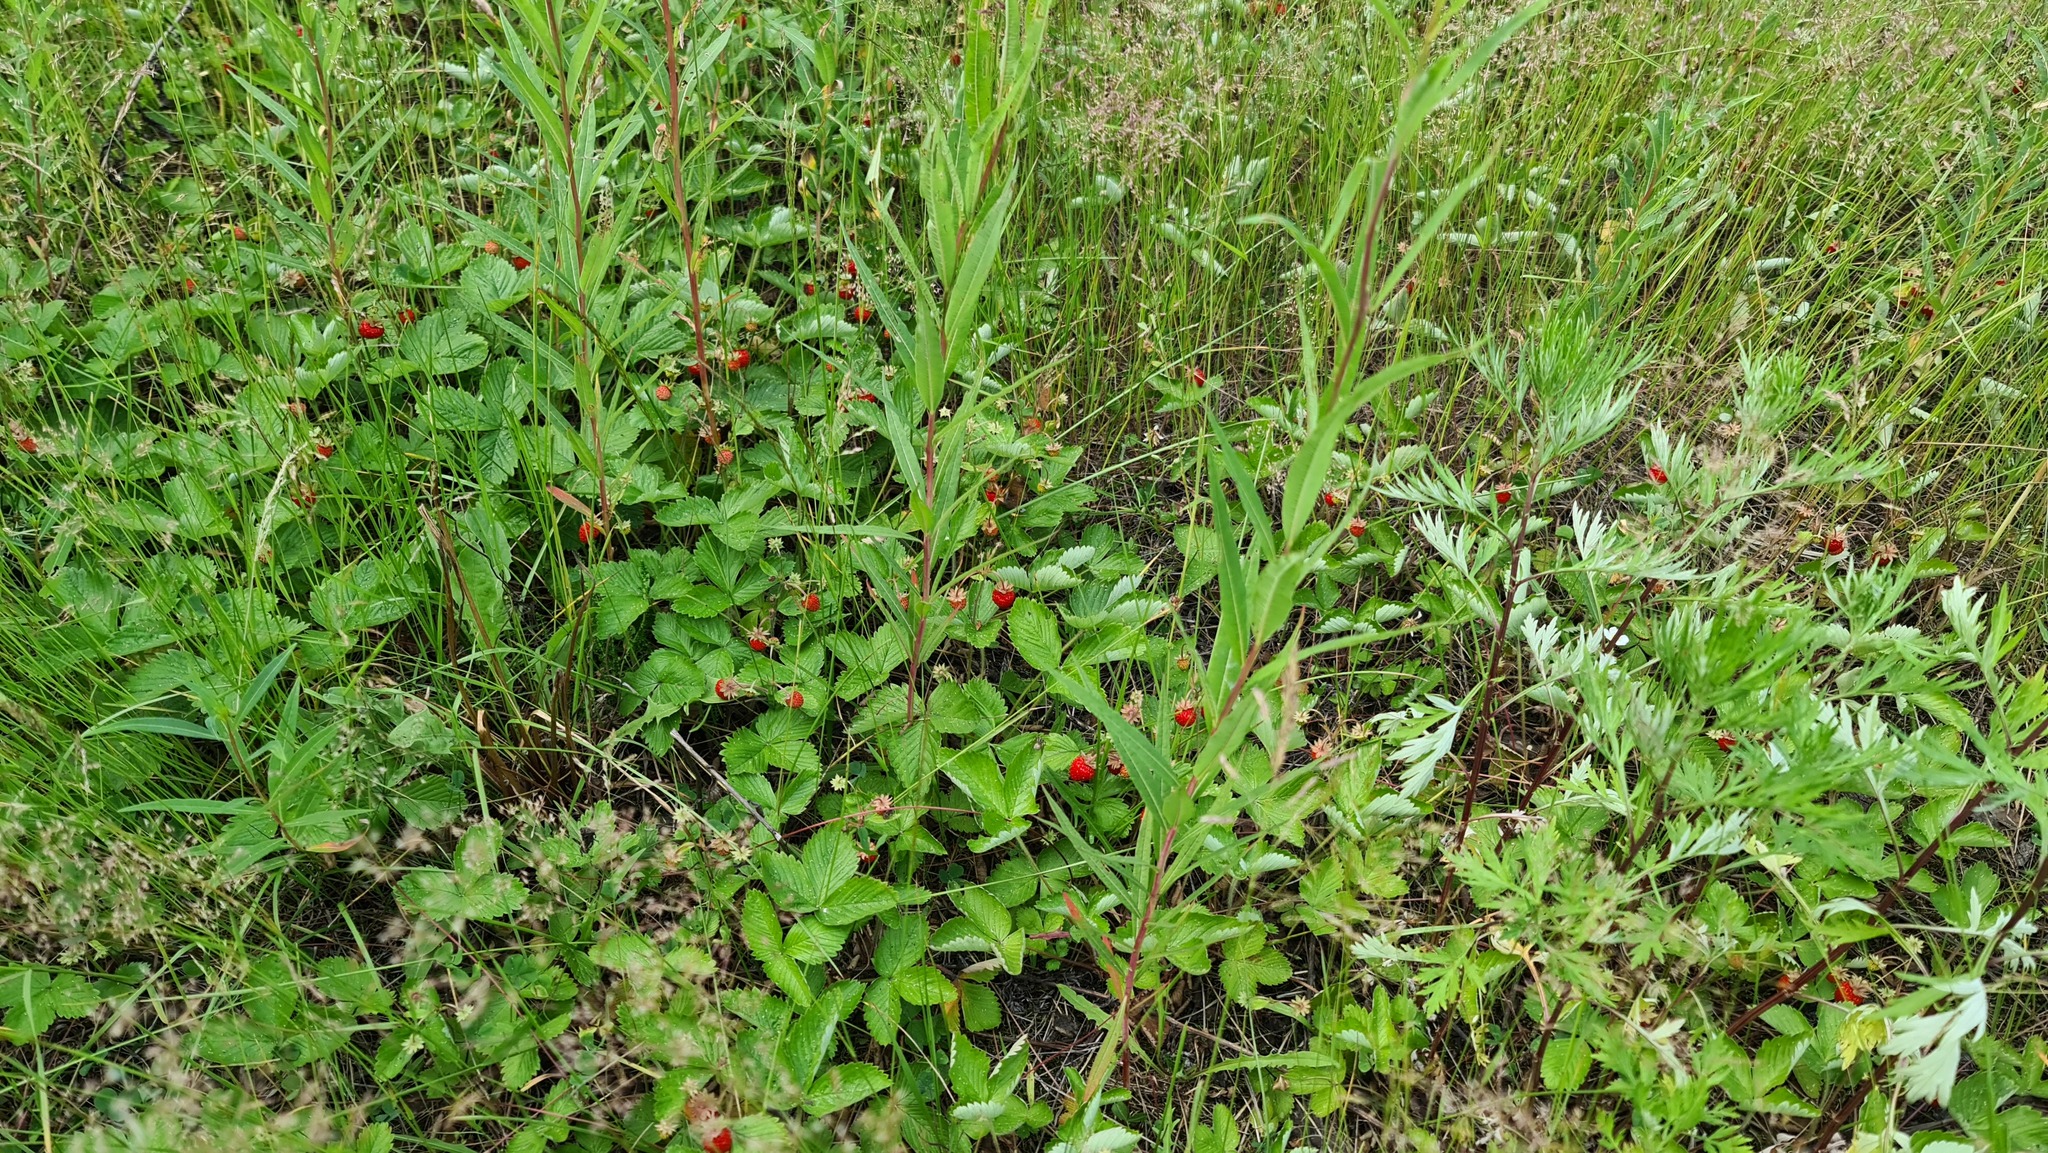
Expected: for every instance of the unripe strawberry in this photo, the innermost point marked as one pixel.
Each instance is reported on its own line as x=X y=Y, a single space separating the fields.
x=490 y=248
x=369 y=330
x=956 y=598
x=1082 y=770
x=241 y=233
x=1004 y=594
x=663 y=392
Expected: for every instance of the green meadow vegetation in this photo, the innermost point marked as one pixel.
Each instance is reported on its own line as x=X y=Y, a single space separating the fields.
x=1078 y=575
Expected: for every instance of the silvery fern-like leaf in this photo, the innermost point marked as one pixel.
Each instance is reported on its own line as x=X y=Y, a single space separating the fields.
x=1965 y=614
x=1426 y=738
x=1436 y=488
x=1928 y=1046
x=1455 y=549
x=1716 y=838
x=1589 y=532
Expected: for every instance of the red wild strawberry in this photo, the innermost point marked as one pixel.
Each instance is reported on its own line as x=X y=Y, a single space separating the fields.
x=903 y=600
x=954 y=60
x=1004 y=594
x=862 y=314
x=1082 y=770
x=1658 y=475
x=725 y=688
x=810 y=289
x=587 y=531
x=27 y=444
x=1927 y=312
x=811 y=602
x=1197 y=377
x=739 y=360
x=1184 y=716
x=323 y=451
x=795 y=699
x=521 y=263
x=241 y=233
x=864 y=394
x=743 y=28
x=490 y=248
x=851 y=270
x=758 y=641
x=992 y=494
x=1357 y=528
x=698 y=370
x=407 y=316
x=1833 y=248
x=1837 y=545
x=191 y=286
x=1032 y=426
x=1726 y=741
x=956 y=599
x=1502 y=497
x=663 y=392
x=1331 y=498
x=724 y=457
x=867 y=122
x=1845 y=992
x=846 y=292
x=305 y=497
x=1785 y=982
x=719 y=1142
x=369 y=330
x=1115 y=764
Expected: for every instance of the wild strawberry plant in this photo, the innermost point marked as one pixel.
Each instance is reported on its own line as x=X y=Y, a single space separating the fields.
x=625 y=641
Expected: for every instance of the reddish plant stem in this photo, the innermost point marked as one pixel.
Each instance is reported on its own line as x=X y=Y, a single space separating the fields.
x=675 y=169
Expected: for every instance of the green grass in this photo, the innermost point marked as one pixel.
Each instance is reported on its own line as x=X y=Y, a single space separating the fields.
x=388 y=760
